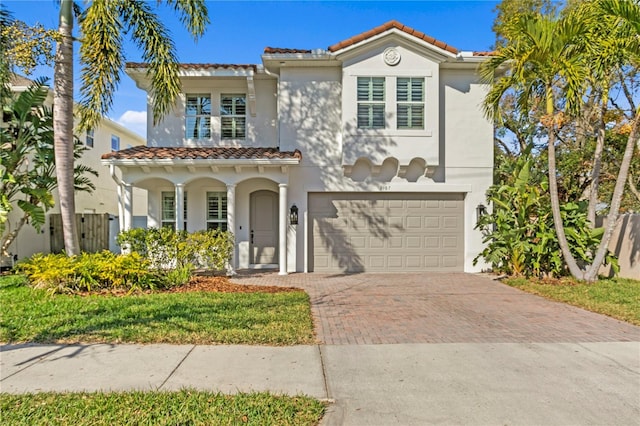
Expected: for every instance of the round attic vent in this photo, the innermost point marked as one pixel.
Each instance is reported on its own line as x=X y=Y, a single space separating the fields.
x=391 y=56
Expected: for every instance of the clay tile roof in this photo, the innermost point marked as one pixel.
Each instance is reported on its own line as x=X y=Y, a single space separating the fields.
x=199 y=66
x=283 y=50
x=184 y=153
x=386 y=27
x=484 y=53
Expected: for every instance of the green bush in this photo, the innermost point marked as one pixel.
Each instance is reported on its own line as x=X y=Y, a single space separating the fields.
x=60 y=273
x=519 y=234
x=166 y=248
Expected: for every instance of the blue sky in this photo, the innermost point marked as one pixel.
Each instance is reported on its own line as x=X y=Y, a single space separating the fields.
x=240 y=30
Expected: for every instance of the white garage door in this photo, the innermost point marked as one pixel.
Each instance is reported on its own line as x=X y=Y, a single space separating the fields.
x=361 y=232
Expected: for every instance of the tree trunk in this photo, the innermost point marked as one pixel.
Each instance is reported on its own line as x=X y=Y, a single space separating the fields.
x=616 y=200
x=597 y=165
x=574 y=269
x=63 y=127
x=8 y=238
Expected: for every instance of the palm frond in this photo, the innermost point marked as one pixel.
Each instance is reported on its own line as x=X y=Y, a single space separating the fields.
x=193 y=15
x=101 y=58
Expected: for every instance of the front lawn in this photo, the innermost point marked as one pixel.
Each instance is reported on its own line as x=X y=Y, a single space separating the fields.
x=186 y=407
x=195 y=317
x=617 y=297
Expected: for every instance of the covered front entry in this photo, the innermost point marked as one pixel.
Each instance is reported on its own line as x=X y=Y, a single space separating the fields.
x=263 y=244
x=358 y=232
x=241 y=190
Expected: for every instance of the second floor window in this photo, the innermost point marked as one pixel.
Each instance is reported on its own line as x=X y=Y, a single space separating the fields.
x=88 y=141
x=115 y=143
x=233 y=111
x=169 y=210
x=198 y=117
x=217 y=210
x=410 y=99
x=371 y=103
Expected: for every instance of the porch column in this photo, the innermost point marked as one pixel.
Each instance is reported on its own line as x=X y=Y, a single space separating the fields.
x=282 y=229
x=120 y=192
x=127 y=199
x=179 y=206
x=231 y=220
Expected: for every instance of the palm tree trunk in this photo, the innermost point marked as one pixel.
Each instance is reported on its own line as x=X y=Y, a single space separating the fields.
x=574 y=269
x=597 y=165
x=63 y=127
x=616 y=200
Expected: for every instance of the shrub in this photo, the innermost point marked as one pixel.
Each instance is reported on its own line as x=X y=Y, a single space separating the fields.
x=59 y=273
x=520 y=236
x=166 y=248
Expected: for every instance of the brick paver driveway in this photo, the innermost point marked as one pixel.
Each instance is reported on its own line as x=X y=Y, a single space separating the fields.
x=440 y=308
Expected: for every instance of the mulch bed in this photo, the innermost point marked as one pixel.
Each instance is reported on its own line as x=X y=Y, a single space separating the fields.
x=211 y=284
x=222 y=285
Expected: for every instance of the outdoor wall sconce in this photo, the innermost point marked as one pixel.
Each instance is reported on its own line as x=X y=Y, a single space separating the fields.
x=293 y=215
x=481 y=210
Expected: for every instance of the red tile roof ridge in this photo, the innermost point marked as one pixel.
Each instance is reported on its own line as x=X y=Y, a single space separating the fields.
x=197 y=65
x=387 y=26
x=285 y=50
x=489 y=53
x=205 y=153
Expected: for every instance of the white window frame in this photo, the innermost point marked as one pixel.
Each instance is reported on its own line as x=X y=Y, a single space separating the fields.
x=89 y=138
x=371 y=101
x=413 y=101
x=201 y=117
x=217 y=219
x=168 y=215
x=115 y=143
x=233 y=119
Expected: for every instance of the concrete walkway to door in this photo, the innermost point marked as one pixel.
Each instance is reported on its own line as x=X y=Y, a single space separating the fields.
x=440 y=308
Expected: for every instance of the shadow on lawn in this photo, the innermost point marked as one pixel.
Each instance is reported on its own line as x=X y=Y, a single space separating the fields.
x=202 y=318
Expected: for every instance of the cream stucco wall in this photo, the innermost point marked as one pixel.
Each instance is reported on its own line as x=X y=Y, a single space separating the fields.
x=261 y=126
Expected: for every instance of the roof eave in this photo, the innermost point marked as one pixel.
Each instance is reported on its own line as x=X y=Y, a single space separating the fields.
x=205 y=162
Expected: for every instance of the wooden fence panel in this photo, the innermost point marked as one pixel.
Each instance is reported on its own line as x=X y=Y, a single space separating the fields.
x=93 y=232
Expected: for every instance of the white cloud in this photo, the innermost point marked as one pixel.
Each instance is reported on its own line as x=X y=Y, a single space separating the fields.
x=135 y=121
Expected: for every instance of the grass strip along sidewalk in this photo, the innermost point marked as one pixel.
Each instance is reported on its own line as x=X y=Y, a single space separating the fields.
x=185 y=407
x=617 y=297
x=194 y=317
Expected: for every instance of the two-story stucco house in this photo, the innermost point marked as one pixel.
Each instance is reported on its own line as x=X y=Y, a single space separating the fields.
x=107 y=136
x=378 y=142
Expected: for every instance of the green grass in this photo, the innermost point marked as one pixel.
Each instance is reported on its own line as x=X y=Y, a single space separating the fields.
x=618 y=297
x=186 y=407
x=30 y=315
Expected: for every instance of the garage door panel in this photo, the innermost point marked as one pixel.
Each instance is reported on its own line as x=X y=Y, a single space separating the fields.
x=398 y=231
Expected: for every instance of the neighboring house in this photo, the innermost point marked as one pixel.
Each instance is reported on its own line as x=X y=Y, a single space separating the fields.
x=379 y=143
x=103 y=200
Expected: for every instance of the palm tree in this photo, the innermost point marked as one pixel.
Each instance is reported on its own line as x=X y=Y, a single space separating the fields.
x=542 y=55
x=103 y=25
x=625 y=15
x=63 y=127
x=550 y=59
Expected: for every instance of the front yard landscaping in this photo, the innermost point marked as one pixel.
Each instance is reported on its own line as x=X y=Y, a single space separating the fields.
x=186 y=407
x=616 y=297
x=208 y=311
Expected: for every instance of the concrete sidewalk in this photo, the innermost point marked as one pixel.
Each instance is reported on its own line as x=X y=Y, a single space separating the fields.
x=405 y=384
